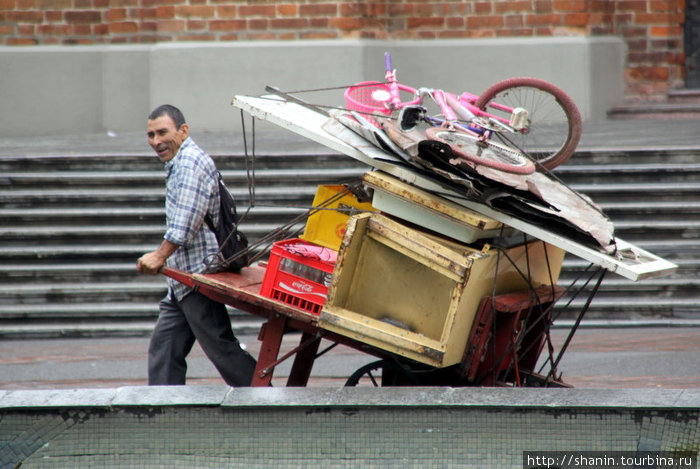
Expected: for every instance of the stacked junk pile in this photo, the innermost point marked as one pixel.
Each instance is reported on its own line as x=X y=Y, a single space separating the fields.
x=443 y=261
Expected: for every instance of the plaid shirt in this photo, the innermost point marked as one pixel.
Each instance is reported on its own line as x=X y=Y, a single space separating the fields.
x=191 y=191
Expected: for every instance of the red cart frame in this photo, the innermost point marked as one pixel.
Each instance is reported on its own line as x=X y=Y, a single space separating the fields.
x=482 y=364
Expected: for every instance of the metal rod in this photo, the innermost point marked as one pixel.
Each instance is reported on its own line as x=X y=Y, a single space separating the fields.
x=576 y=324
x=268 y=369
x=296 y=100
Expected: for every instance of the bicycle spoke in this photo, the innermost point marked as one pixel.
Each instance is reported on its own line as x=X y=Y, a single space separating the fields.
x=554 y=123
x=486 y=153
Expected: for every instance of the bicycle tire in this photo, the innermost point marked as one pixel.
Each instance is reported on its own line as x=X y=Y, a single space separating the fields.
x=398 y=374
x=485 y=153
x=555 y=124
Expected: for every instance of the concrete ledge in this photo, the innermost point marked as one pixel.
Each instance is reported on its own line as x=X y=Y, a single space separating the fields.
x=330 y=427
x=91 y=89
x=223 y=396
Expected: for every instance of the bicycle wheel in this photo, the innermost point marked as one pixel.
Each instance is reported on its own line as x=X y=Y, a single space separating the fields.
x=383 y=373
x=485 y=153
x=554 y=122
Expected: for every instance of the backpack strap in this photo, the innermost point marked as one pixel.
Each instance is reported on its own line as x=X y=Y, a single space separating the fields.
x=207 y=218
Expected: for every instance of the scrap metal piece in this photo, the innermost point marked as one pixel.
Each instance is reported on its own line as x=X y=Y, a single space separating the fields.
x=558 y=200
x=408 y=140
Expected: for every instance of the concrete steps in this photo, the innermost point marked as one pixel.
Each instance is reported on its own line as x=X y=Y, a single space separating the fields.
x=653 y=198
x=679 y=104
x=72 y=227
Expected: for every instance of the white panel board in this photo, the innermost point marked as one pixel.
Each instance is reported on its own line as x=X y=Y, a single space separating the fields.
x=630 y=261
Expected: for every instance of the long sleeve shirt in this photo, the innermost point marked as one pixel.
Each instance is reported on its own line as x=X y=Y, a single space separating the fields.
x=191 y=191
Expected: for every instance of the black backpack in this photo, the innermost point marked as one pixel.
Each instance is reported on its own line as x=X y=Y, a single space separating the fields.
x=233 y=245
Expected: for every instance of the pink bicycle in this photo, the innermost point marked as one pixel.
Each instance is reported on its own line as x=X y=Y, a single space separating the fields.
x=537 y=123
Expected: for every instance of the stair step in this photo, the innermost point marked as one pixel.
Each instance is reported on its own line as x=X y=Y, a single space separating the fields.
x=630 y=157
x=282 y=194
x=573 y=265
x=45 y=329
x=92 y=311
x=627 y=167
x=652 y=110
x=124 y=235
x=671 y=249
x=684 y=96
x=127 y=309
x=156 y=178
x=619 y=307
x=660 y=208
x=646 y=188
x=637 y=230
x=635 y=172
x=13 y=275
x=86 y=292
x=287 y=158
x=145 y=234
x=136 y=216
x=616 y=282
x=68 y=272
x=612 y=173
x=264 y=215
x=652 y=291
x=72 y=227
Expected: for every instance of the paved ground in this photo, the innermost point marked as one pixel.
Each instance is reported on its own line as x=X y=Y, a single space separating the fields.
x=640 y=357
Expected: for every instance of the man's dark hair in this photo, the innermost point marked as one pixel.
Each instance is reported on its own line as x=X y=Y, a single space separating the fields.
x=174 y=113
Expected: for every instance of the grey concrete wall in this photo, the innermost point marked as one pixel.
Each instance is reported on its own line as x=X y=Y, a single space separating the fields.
x=56 y=90
x=184 y=427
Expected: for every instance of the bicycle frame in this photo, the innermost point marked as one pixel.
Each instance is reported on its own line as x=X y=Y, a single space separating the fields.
x=539 y=120
x=450 y=104
x=467 y=100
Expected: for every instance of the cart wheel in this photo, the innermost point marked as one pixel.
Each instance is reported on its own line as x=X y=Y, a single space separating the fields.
x=383 y=373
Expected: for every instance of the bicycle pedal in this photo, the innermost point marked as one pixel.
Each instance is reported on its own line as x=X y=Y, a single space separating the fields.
x=519 y=118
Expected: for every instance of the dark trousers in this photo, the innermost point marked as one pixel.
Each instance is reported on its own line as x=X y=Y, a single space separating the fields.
x=180 y=323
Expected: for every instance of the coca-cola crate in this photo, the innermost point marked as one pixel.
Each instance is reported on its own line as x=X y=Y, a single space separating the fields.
x=295 y=279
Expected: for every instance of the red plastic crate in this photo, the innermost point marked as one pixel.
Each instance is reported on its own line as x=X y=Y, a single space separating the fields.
x=296 y=280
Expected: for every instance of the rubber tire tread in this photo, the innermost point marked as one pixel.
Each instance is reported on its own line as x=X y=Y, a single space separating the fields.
x=527 y=168
x=354 y=379
x=568 y=105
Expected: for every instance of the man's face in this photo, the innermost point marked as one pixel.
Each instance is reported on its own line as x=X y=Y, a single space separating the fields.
x=164 y=138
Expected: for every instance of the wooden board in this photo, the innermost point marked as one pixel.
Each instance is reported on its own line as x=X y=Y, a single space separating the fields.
x=243 y=291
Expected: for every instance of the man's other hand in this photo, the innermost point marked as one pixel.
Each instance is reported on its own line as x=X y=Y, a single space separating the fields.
x=150 y=263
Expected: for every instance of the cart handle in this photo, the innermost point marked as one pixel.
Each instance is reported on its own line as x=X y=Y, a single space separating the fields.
x=182 y=277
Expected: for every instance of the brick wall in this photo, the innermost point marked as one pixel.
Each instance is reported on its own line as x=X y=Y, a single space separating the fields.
x=653 y=31
x=651 y=28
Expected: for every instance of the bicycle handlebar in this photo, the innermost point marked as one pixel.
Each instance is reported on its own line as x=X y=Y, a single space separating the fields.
x=387 y=62
x=390 y=77
x=450 y=106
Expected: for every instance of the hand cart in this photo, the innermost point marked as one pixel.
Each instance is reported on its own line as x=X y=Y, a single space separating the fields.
x=482 y=364
x=499 y=341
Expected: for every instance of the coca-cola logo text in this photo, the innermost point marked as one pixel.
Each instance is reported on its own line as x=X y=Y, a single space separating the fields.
x=303 y=286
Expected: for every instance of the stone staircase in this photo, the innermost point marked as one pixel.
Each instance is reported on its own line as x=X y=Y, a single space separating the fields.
x=679 y=104
x=653 y=198
x=72 y=227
